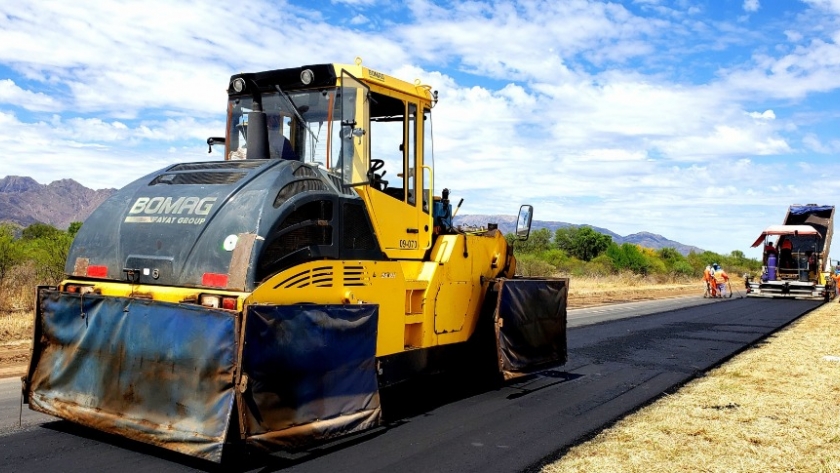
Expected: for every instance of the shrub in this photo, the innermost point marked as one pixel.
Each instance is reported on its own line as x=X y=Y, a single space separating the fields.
x=629 y=257
x=532 y=266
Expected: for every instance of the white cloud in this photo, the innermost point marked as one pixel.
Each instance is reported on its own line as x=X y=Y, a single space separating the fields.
x=93 y=152
x=808 y=69
x=593 y=112
x=13 y=95
x=827 y=5
x=812 y=142
x=793 y=36
x=765 y=115
x=354 y=3
x=751 y=6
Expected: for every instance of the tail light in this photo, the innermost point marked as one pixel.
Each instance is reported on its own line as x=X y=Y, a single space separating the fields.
x=218 y=302
x=214 y=280
x=78 y=288
x=95 y=271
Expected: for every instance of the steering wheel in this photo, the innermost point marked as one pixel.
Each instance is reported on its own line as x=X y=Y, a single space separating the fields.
x=376 y=164
x=376 y=179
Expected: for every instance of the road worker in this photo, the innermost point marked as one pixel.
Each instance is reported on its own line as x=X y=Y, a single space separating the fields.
x=711 y=288
x=769 y=249
x=720 y=279
x=786 y=255
x=836 y=278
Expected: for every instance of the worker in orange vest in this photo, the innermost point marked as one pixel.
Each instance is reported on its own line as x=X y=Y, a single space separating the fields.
x=720 y=279
x=836 y=277
x=711 y=287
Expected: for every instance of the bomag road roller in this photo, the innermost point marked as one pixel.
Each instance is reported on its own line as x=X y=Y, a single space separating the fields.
x=266 y=299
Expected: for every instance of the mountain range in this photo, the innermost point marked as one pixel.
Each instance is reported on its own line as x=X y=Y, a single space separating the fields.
x=507 y=224
x=24 y=201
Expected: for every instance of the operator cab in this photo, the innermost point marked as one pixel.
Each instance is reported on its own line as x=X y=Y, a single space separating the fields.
x=366 y=129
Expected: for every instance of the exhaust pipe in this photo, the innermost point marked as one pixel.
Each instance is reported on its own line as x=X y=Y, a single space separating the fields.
x=256 y=141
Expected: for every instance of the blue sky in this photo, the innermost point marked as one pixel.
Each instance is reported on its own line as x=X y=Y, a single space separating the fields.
x=698 y=120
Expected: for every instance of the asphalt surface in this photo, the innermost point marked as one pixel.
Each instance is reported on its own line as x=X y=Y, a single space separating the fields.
x=605 y=313
x=452 y=424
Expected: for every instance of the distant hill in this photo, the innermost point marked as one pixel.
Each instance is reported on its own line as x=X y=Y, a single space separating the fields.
x=507 y=224
x=24 y=201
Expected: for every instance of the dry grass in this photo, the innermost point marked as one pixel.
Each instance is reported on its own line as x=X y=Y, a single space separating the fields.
x=595 y=290
x=773 y=408
x=15 y=326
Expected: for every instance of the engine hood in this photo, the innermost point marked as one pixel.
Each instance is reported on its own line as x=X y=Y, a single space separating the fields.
x=196 y=224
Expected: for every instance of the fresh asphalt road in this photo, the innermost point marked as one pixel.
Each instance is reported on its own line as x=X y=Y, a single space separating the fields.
x=614 y=367
x=605 y=313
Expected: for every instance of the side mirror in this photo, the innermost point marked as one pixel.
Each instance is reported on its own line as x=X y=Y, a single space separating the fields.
x=523 y=222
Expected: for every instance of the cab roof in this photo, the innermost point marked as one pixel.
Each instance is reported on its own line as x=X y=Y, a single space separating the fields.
x=796 y=230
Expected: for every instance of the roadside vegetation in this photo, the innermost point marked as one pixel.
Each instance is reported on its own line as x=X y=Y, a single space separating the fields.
x=583 y=252
x=29 y=256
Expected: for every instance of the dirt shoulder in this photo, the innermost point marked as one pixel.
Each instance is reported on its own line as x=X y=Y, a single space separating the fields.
x=14 y=358
x=586 y=297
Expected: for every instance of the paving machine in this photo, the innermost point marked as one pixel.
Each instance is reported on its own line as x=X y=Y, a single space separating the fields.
x=796 y=266
x=265 y=299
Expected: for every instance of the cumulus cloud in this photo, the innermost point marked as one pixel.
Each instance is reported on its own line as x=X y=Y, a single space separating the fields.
x=94 y=152
x=751 y=6
x=765 y=115
x=826 y=5
x=648 y=115
x=15 y=96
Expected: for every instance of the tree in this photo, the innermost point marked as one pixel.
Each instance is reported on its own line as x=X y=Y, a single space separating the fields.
x=10 y=250
x=583 y=243
x=564 y=238
x=628 y=257
x=48 y=247
x=37 y=231
x=670 y=255
x=540 y=240
x=589 y=243
x=74 y=228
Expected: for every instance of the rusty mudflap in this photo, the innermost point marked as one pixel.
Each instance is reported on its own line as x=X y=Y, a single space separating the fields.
x=309 y=374
x=156 y=372
x=530 y=324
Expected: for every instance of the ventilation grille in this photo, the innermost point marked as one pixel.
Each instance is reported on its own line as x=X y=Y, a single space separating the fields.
x=312 y=211
x=316 y=277
x=296 y=187
x=204 y=178
x=305 y=171
x=243 y=164
x=355 y=276
x=357 y=232
x=297 y=239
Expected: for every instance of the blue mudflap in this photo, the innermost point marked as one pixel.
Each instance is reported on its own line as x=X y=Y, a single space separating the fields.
x=309 y=373
x=155 y=372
